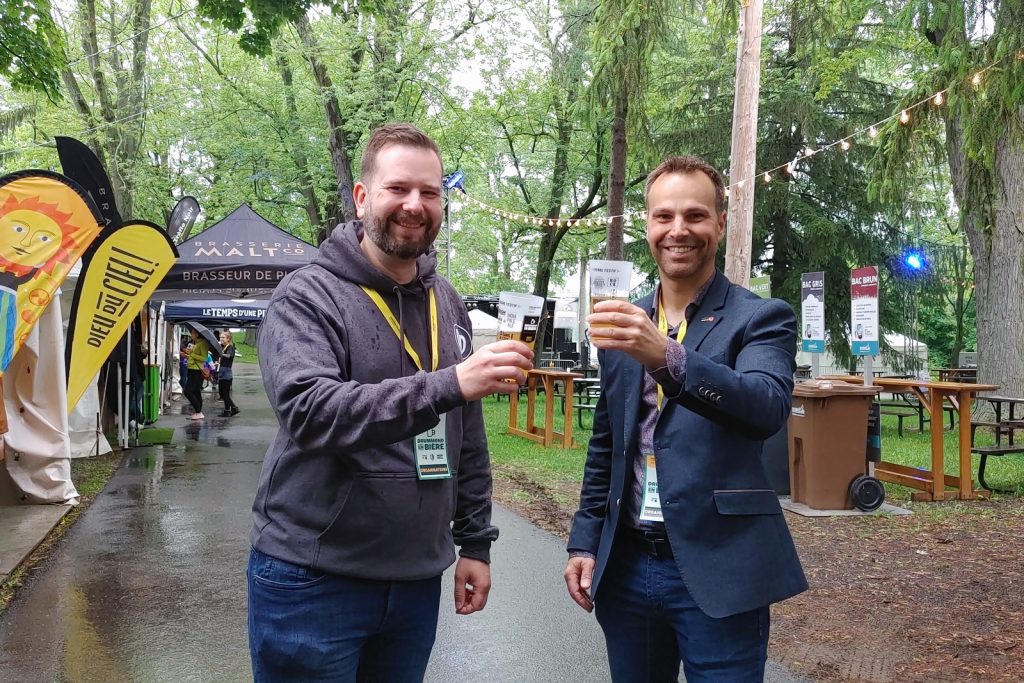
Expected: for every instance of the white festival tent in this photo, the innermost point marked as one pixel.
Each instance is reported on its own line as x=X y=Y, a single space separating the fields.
x=485 y=328
x=36 y=467
x=907 y=347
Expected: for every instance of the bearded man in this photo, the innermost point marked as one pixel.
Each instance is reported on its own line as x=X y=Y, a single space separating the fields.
x=380 y=466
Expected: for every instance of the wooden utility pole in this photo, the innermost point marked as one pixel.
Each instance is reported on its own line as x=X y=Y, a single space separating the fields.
x=744 y=144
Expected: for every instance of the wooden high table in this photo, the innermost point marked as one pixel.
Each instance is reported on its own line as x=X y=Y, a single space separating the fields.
x=932 y=485
x=544 y=435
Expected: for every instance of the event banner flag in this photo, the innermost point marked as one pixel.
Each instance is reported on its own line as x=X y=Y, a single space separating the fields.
x=183 y=217
x=127 y=265
x=82 y=166
x=812 y=312
x=46 y=223
x=762 y=286
x=864 y=311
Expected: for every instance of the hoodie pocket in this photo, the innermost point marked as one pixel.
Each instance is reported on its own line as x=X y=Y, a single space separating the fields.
x=393 y=519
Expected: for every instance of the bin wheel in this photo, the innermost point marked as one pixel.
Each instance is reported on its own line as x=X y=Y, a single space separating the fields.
x=867 y=493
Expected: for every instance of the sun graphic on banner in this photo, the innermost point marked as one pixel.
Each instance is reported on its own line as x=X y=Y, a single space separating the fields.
x=45 y=225
x=34 y=235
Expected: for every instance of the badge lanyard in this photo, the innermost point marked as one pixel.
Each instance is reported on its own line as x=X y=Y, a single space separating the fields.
x=385 y=310
x=431 y=447
x=650 y=509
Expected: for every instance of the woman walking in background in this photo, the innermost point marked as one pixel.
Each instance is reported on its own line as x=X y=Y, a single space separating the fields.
x=227 y=359
x=194 y=381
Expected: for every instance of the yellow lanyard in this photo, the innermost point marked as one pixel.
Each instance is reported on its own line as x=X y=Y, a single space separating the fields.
x=663 y=328
x=390 y=317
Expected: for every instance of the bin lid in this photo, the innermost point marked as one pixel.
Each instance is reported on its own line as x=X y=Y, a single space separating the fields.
x=820 y=388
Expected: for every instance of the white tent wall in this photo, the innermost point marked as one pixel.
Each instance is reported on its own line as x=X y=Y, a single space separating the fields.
x=485 y=328
x=85 y=441
x=905 y=346
x=37 y=446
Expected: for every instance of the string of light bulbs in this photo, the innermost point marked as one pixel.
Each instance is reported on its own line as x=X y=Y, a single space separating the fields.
x=766 y=176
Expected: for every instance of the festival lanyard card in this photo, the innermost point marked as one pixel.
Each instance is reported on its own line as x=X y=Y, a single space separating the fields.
x=432 y=452
x=650 y=507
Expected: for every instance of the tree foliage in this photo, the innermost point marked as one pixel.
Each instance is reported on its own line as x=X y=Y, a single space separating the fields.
x=31 y=48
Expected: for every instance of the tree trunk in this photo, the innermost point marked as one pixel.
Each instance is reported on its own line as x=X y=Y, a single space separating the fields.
x=552 y=236
x=298 y=156
x=998 y=251
x=337 y=141
x=744 y=145
x=614 y=244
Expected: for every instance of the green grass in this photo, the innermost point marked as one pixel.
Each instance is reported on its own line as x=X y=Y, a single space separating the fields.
x=245 y=353
x=556 y=467
x=552 y=466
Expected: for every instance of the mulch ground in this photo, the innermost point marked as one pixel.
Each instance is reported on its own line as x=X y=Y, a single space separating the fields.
x=937 y=595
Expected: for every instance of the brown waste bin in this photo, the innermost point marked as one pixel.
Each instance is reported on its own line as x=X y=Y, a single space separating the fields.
x=828 y=429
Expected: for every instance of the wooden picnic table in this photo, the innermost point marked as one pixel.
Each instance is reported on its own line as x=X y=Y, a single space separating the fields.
x=931 y=485
x=546 y=435
x=958 y=374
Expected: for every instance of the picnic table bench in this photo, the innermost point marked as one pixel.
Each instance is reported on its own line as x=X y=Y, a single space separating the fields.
x=906 y=404
x=1001 y=428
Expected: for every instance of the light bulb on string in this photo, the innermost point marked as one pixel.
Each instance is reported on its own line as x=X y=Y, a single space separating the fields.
x=976 y=80
x=872 y=132
x=938 y=99
x=844 y=145
x=767 y=177
x=904 y=116
x=791 y=167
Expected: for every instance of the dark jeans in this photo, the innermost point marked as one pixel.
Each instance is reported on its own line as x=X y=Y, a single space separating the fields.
x=194 y=389
x=224 y=387
x=651 y=622
x=306 y=625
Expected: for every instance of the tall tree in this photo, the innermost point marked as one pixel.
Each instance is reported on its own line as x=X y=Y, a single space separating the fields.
x=113 y=106
x=982 y=117
x=624 y=35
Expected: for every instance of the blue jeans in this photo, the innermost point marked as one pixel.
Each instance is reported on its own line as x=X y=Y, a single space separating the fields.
x=306 y=625
x=651 y=622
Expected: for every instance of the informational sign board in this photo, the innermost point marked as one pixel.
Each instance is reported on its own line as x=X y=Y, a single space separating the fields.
x=864 y=311
x=762 y=286
x=812 y=312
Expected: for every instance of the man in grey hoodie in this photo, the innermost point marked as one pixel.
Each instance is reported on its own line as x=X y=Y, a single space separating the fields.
x=380 y=465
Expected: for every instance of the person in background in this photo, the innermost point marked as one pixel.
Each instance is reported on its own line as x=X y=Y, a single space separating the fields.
x=194 y=381
x=227 y=360
x=680 y=544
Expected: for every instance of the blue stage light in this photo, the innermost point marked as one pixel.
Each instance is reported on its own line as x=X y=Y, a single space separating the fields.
x=914 y=260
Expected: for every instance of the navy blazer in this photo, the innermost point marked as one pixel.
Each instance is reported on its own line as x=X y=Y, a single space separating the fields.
x=723 y=519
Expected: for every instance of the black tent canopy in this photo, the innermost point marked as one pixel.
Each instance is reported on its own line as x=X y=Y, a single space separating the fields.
x=243 y=256
x=218 y=312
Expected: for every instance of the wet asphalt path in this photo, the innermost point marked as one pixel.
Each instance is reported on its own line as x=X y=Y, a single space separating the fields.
x=149 y=585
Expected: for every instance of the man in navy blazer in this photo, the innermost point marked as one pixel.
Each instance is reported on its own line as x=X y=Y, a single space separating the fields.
x=680 y=543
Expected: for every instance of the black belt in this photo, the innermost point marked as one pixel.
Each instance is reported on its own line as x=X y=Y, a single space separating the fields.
x=653 y=542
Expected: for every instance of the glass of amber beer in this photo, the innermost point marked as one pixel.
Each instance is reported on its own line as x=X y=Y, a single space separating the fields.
x=608 y=280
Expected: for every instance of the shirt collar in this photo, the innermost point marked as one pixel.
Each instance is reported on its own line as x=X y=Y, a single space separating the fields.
x=691 y=307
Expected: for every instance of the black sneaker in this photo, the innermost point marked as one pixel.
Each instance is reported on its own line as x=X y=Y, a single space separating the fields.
x=235 y=411
x=225 y=414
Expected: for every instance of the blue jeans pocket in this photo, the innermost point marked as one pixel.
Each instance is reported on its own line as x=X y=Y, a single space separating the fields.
x=270 y=572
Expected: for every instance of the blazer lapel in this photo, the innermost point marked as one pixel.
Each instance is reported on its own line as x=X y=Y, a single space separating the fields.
x=709 y=314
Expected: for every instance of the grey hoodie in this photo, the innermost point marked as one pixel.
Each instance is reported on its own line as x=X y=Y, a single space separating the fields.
x=338 y=491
